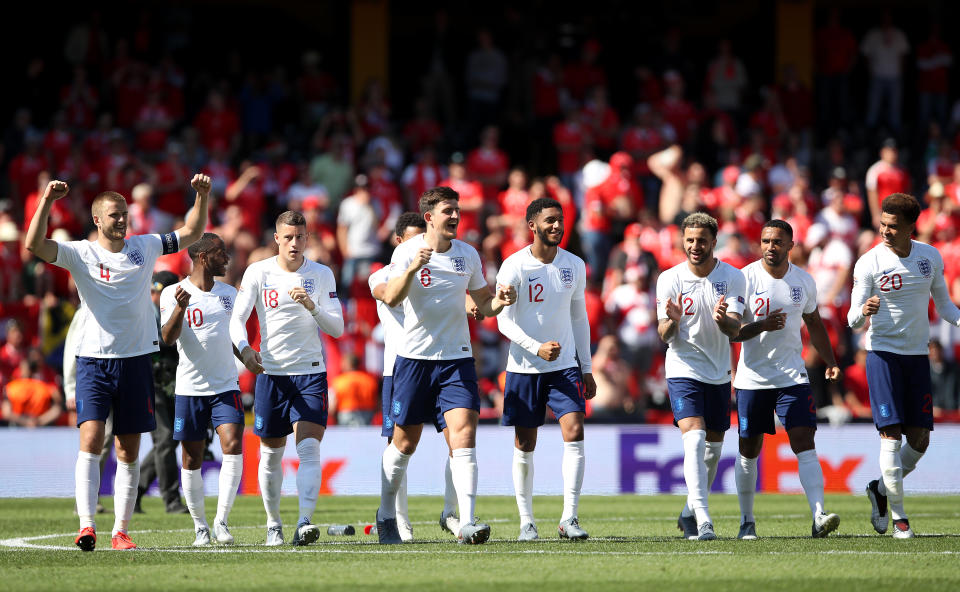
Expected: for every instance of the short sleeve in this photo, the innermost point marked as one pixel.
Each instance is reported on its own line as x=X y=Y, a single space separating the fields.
x=665 y=292
x=811 y=289
x=400 y=260
x=737 y=293
x=748 y=288
x=508 y=276
x=477 y=280
x=67 y=256
x=168 y=302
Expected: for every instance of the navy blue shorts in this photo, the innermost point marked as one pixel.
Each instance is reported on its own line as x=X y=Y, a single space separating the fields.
x=794 y=406
x=192 y=414
x=526 y=396
x=124 y=385
x=692 y=398
x=423 y=390
x=900 y=390
x=281 y=401
x=386 y=393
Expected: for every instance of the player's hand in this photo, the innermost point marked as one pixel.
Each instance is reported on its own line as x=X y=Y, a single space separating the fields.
x=720 y=310
x=549 y=351
x=182 y=297
x=252 y=360
x=775 y=321
x=871 y=306
x=300 y=296
x=55 y=190
x=589 y=386
x=833 y=373
x=675 y=309
x=420 y=259
x=201 y=184
x=506 y=294
x=473 y=311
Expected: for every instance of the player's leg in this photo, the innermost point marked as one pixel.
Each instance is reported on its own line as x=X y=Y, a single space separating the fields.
x=231 y=470
x=459 y=401
x=565 y=396
x=524 y=408
x=450 y=517
x=402 y=509
x=133 y=415
x=689 y=399
x=887 y=383
x=755 y=409
x=94 y=403
x=271 y=408
x=191 y=416
x=308 y=414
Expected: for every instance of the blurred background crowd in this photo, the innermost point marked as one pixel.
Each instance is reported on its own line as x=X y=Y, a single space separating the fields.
x=632 y=119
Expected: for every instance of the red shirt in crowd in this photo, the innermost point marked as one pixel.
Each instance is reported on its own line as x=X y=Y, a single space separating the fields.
x=569 y=139
x=487 y=162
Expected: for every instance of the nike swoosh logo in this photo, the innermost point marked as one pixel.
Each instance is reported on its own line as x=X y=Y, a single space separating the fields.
x=888 y=271
x=759 y=292
x=532 y=279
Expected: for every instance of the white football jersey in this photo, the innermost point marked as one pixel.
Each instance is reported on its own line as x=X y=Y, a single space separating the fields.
x=118 y=316
x=391 y=317
x=774 y=359
x=547 y=294
x=901 y=325
x=206 y=365
x=434 y=311
x=698 y=349
x=289 y=336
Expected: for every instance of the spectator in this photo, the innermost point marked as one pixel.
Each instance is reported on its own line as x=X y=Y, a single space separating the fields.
x=354 y=394
x=486 y=76
x=885 y=177
x=357 y=225
x=611 y=375
x=727 y=79
x=856 y=392
x=944 y=379
x=884 y=47
x=934 y=60
x=836 y=54
x=32 y=399
x=143 y=217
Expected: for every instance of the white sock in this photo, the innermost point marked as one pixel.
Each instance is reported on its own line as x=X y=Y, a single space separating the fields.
x=309 y=477
x=403 y=511
x=192 y=483
x=745 y=473
x=523 y=484
x=695 y=473
x=392 y=470
x=908 y=460
x=463 y=467
x=124 y=494
x=811 y=478
x=449 y=491
x=231 y=469
x=711 y=457
x=87 y=480
x=270 y=478
x=572 y=467
x=891 y=468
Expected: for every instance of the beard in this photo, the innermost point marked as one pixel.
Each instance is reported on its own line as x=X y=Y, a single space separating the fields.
x=544 y=238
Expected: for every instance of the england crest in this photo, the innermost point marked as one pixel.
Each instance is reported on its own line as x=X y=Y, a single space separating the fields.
x=796 y=294
x=135 y=257
x=309 y=284
x=226 y=302
x=720 y=288
x=925 y=268
x=566 y=276
x=459 y=265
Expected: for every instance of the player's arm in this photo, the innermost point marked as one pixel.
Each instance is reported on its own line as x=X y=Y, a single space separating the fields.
x=772 y=322
x=821 y=341
x=490 y=304
x=580 y=324
x=728 y=312
x=36 y=240
x=670 y=318
x=863 y=302
x=246 y=299
x=399 y=286
x=196 y=220
x=176 y=302
x=947 y=310
x=508 y=326
x=326 y=311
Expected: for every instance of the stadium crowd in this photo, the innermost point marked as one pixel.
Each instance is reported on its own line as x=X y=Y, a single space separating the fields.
x=134 y=117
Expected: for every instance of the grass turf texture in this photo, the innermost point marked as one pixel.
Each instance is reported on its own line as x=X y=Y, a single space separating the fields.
x=634 y=544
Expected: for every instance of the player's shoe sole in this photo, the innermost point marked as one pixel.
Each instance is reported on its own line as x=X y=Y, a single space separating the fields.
x=878 y=514
x=305 y=534
x=86 y=539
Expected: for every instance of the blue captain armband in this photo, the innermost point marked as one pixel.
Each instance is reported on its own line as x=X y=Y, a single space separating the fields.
x=171 y=242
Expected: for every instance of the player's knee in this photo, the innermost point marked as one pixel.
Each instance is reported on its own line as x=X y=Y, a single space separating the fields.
x=750 y=447
x=801 y=440
x=573 y=433
x=920 y=441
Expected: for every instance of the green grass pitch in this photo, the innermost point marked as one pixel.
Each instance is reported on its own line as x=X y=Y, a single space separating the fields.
x=634 y=545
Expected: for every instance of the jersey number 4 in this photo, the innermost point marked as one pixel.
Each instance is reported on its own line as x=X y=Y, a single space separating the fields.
x=104 y=273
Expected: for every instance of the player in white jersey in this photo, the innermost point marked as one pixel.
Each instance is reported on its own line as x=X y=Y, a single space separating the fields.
x=892 y=286
x=771 y=376
x=113 y=276
x=207 y=388
x=434 y=374
x=549 y=362
x=699 y=306
x=409 y=225
x=294 y=297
